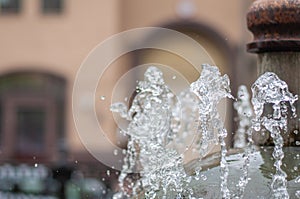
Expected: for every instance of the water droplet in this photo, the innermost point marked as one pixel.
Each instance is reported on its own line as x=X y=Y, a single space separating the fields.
x=174 y=77
x=297 y=143
x=197 y=171
x=102 y=98
x=204 y=177
x=296 y=131
x=115 y=151
x=36 y=165
x=108 y=172
x=297 y=194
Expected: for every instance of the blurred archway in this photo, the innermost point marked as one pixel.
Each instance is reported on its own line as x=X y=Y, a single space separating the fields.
x=32 y=115
x=215 y=45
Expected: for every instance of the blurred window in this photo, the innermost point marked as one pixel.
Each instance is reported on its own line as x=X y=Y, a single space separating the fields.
x=32 y=114
x=52 y=6
x=31 y=130
x=10 y=6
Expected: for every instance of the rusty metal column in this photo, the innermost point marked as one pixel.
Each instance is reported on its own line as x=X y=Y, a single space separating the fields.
x=275 y=25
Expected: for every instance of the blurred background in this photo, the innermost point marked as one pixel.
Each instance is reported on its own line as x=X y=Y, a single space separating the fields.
x=42 y=45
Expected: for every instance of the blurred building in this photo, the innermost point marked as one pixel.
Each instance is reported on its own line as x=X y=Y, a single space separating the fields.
x=43 y=43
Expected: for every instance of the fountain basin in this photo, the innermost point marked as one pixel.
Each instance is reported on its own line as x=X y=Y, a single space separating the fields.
x=207 y=184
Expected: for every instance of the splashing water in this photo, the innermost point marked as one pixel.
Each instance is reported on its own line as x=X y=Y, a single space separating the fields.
x=185 y=122
x=245 y=114
x=269 y=90
x=211 y=88
x=161 y=126
x=149 y=129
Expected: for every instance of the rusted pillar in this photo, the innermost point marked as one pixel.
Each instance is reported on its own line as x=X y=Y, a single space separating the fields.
x=275 y=25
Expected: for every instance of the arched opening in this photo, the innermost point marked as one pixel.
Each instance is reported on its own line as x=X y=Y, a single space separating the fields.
x=215 y=45
x=32 y=112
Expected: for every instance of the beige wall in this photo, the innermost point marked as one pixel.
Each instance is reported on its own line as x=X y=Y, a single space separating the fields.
x=56 y=43
x=59 y=43
x=226 y=17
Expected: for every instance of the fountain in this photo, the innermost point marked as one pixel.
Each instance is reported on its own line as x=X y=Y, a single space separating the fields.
x=245 y=113
x=269 y=89
x=150 y=133
x=151 y=129
x=160 y=121
x=210 y=88
x=275 y=27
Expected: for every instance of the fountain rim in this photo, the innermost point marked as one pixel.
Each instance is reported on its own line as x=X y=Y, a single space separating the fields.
x=274 y=25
